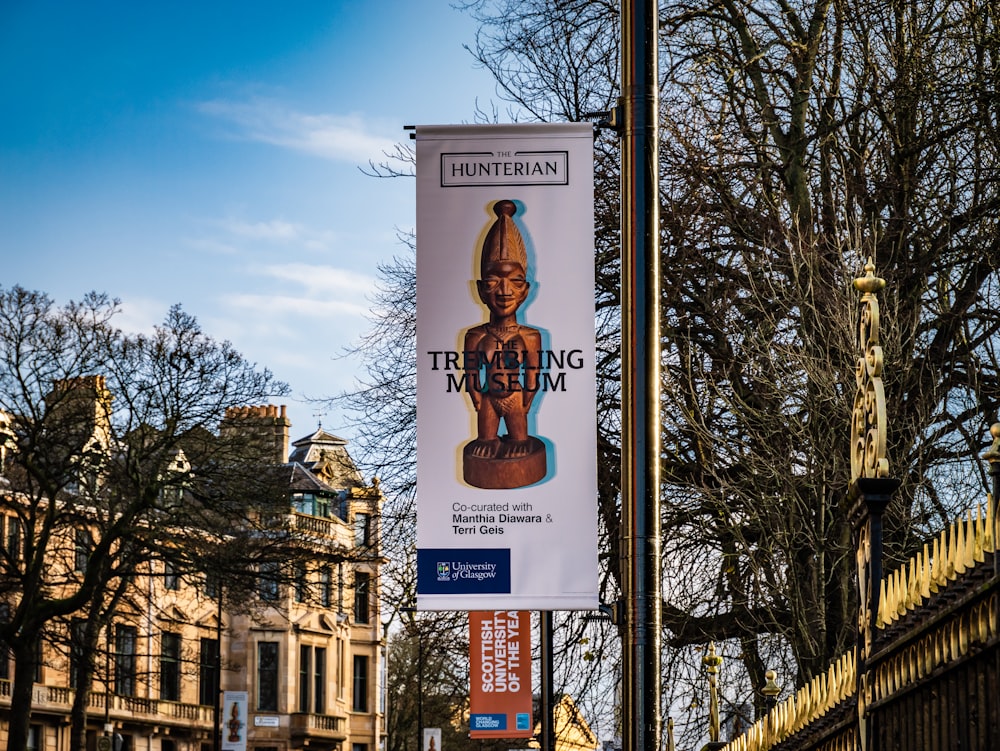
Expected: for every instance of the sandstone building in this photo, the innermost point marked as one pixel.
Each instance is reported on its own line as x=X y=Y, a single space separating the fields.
x=306 y=655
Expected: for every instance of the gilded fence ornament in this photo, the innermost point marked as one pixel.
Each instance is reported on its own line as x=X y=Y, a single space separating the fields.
x=868 y=420
x=712 y=661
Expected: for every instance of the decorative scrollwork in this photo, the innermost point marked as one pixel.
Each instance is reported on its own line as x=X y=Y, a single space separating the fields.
x=868 y=420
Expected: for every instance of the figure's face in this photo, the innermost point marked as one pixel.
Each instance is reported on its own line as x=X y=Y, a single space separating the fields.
x=503 y=287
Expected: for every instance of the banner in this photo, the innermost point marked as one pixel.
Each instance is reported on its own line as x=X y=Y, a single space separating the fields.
x=234 y=721
x=506 y=423
x=432 y=739
x=500 y=674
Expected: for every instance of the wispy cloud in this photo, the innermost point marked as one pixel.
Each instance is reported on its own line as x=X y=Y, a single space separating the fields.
x=233 y=235
x=322 y=281
x=276 y=308
x=303 y=291
x=140 y=315
x=348 y=138
x=276 y=229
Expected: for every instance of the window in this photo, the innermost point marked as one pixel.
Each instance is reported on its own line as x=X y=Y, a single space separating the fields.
x=171 y=495
x=267 y=676
x=362 y=585
x=362 y=529
x=341 y=665
x=340 y=587
x=208 y=659
x=170 y=579
x=39 y=661
x=301 y=583
x=84 y=542
x=322 y=507
x=4 y=662
x=13 y=537
x=319 y=681
x=307 y=503
x=267 y=583
x=213 y=587
x=360 y=683
x=305 y=658
x=170 y=666
x=312 y=678
x=77 y=651
x=303 y=503
x=325 y=587
x=125 y=660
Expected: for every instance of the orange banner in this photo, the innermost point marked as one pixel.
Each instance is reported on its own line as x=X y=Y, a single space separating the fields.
x=500 y=674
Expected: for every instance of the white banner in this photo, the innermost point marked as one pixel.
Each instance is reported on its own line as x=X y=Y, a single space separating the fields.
x=432 y=739
x=506 y=423
x=234 y=721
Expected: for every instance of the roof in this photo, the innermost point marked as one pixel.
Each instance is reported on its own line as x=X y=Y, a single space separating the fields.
x=302 y=480
x=325 y=455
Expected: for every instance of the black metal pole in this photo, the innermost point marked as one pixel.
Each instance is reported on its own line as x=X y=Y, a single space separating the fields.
x=420 y=687
x=107 y=682
x=641 y=430
x=546 y=699
x=217 y=675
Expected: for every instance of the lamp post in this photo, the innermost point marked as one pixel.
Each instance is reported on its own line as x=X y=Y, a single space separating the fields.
x=383 y=739
x=420 y=686
x=107 y=684
x=217 y=676
x=638 y=112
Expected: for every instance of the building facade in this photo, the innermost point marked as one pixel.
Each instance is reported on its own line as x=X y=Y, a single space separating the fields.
x=294 y=665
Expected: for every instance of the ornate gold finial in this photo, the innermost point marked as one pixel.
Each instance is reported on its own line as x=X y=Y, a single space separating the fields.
x=771 y=688
x=711 y=661
x=868 y=419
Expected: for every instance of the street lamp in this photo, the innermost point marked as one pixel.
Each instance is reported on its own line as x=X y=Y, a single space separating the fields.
x=383 y=738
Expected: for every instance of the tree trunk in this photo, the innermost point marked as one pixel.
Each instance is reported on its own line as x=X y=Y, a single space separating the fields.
x=84 y=683
x=25 y=663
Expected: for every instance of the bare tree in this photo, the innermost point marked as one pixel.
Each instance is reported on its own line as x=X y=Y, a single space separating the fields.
x=799 y=139
x=110 y=453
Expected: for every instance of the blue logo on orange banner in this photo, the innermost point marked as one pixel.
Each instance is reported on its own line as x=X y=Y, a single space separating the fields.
x=488 y=722
x=522 y=721
x=455 y=571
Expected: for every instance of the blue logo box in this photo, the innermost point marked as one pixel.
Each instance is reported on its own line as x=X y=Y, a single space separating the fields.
x=454 y=571
x=488 y=722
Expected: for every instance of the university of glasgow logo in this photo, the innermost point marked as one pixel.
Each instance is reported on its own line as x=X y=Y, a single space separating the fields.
x=449 y=571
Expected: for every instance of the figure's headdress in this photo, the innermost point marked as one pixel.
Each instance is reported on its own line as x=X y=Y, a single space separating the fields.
x=503 y=241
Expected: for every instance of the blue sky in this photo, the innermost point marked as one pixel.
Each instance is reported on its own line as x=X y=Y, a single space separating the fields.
x=208 y=154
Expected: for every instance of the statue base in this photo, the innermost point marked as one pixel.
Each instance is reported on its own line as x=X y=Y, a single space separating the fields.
x=500 y=472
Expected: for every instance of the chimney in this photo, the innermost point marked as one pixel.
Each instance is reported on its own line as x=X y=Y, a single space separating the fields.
x=82 y=406
x=266 y=423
